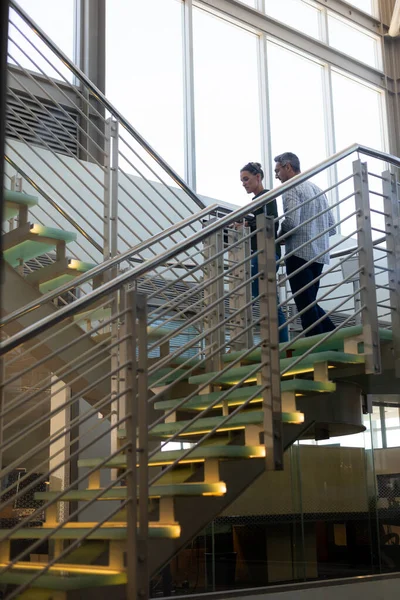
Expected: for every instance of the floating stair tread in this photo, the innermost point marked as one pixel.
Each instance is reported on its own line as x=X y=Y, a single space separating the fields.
x=62 y=271
x=60 y=582
x=30 y=241
x=335 y=342
x=112 y=531
x=238 y=421
x=13 y=200
x=240 y=395
x=304 y=366
x=187 y=361
x=197 y=455
x=156 y=491
x=167 y=375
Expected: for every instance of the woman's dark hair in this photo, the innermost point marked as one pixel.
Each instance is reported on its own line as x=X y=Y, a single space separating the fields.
x=254 y=168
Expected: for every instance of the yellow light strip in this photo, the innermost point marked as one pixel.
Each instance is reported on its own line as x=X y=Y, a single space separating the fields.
x=82 y=569
x=187 y=433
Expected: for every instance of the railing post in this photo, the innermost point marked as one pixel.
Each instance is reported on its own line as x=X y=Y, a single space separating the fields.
x=392 y=216
x=270 y=373
x=367 y=274
x=240 y=298
x=137 y=455
x=214 y=272
x=110 y=228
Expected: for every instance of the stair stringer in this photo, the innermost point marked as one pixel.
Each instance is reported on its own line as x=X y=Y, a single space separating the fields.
x=16 y=294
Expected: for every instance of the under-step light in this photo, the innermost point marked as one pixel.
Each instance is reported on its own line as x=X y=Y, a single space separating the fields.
x=259 y=452
x=37 y=229
x=74 y=264
x=240 y=402
x=76 y=569
x=219 y=491
x=297 y=419
x=301 y=370
x=89 y=525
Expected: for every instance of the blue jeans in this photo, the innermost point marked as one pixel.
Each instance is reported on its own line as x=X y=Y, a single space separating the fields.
x=283 y=333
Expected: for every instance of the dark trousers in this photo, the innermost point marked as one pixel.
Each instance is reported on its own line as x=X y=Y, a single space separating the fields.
x=307 y=297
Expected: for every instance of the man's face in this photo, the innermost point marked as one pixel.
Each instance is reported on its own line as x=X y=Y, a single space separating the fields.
x=283 y=172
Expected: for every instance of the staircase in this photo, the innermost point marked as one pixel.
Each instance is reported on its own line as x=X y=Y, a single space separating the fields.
x=98 y=388
x=128 y=323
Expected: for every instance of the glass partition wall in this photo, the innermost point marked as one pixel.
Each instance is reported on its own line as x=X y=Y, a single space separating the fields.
x=334 y=512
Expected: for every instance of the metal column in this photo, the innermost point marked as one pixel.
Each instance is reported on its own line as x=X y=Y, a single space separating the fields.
x=270 y=372
x=367 y=274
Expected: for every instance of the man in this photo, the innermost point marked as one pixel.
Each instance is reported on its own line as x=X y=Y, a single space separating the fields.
x=311 y=257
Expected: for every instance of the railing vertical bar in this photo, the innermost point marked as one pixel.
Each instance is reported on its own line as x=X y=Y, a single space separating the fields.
x=391 y=208
x=367 y=273
x=131 y=402
x=270 y=373
x=143 y=475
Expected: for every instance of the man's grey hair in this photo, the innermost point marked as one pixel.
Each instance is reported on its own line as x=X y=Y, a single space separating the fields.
x=288 y=158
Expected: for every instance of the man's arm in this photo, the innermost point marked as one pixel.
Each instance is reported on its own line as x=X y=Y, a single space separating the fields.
x=331 y=223
x=291 y=220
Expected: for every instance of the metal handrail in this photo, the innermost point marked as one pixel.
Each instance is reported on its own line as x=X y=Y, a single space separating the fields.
x=237 y=215
x=102 y=98
x=341 y=253
x=112 y=286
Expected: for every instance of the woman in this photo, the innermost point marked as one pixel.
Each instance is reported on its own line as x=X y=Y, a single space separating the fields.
x=251 y=176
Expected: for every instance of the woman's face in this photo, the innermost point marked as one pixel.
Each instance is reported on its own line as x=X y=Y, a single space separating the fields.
x=251 y=182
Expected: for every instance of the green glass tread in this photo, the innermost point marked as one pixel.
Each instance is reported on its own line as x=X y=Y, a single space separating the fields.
x=166 y=376
x=335 y=342
x=202 y=425
x=13 y=200
x=54 y=233
x=164 y=458
x=61 y=582
x=119 y=493
x=44 y=240
x=72 y=533
x=77 y=267
x=240 y=395
x=305 y=365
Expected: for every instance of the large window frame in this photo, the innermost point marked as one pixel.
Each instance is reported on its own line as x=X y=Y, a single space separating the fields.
x=256 y=21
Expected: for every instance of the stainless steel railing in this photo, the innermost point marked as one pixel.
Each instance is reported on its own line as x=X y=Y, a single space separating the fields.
x=185 y=322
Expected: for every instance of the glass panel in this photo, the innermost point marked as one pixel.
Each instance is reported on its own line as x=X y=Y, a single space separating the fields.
x=304 y=136
x=144 y=72
x=251 y=3
x=358 y=118
x=392 y=425
x=226 y=106
x=367 y=6
x=27 y=51
x=297 y=14
x=354 y=42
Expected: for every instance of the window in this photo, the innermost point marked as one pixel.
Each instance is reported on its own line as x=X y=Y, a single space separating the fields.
x=354 y=41
x=358 y=118
x=26 y=49
x=226 y=105
x=296 y=102
x=144 y=71
x=300 y=15
x=368 y=6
